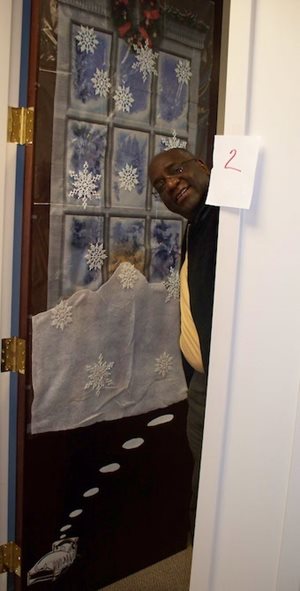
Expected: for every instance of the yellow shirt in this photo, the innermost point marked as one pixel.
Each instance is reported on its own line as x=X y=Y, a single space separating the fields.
x=189 y=340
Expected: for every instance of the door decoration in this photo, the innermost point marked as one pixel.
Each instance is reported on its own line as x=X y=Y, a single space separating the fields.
x=110 y=466
x=122 y=99
x=107 y=354
x=84 y=184
x=64 y=551
x=54 y=563
x=145 y=60
x=137 y=22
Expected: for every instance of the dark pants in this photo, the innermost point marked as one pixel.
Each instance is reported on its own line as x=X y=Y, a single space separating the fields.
x=195 y=426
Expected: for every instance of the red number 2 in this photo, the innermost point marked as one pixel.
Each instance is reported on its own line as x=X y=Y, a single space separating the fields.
x=233 y=152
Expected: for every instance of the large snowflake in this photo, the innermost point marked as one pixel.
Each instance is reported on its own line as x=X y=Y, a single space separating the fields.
x=145 y=60
x=128 y=276
x=61 y=315
x=172 y=285
x=95 y=256
x=163 y=364
x=183 y=72
x=124 y=99
x=86 y=39
x=101 y=82
x=84 y=184
x=99 y=375
x=173 y=142
x=128 y=177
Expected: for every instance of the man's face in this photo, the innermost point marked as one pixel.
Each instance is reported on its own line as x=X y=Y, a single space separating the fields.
x=180 y=180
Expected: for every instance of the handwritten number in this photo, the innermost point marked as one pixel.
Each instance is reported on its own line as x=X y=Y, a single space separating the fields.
x=233 y=152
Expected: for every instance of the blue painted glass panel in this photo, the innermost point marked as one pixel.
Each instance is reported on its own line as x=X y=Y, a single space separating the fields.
x=80 y=233
x=172 y=94
x=129 y=169
x=126 y=242
x=131 y=78
x=165 y=248
x=90 y=76
x=86 y=145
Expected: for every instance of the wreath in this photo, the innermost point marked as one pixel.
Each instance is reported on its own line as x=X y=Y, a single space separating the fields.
x=137 y=22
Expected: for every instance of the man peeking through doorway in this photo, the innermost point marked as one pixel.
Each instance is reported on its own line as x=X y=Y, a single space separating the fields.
x=181 y=180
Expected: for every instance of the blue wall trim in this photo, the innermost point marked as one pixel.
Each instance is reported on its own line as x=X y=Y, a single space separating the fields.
x=16 y=272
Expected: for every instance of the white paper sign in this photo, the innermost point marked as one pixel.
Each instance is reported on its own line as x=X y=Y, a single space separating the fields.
x=233 y=173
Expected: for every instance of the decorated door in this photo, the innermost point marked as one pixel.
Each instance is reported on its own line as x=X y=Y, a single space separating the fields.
x=105 y=469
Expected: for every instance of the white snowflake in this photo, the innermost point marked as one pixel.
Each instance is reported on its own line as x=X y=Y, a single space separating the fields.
x=163 y=364
x=172 y=285
x=128 y=276
x=95 y=256
x=173 y=142
x=128 y=177
x=101 y=82
x=123 y=98
x=86 y=39
x=61 y=315
x=99 y=374
x=183 y=72
x=145 y=60
x=84 y=184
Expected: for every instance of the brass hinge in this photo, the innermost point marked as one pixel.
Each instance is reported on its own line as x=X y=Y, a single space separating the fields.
x=20 y=125
x=10 y=558
x=13 y=355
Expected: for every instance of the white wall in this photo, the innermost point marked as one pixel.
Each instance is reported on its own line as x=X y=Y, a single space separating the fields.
x=10 y=39
x=247 y=512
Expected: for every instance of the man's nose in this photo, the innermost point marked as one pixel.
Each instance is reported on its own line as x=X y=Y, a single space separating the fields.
x=171 y=182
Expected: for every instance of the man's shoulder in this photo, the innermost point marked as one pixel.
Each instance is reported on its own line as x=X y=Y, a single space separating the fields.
x=206 y=214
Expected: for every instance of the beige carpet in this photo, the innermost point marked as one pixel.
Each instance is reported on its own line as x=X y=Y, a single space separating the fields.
x=172 y=574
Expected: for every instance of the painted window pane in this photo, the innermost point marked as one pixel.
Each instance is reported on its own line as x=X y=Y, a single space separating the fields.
x=129 y=168
x=132 y=95
x=173 y=91
x=126 y=242
x=83 y=253
x=165 y=247
x=90 y=74
x=86 y=144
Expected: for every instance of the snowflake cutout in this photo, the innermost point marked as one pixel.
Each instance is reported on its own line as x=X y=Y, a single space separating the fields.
x=61 y=315
x=101 y=82
x=95 y=256
x=145 y=60
x=128 y=276
x=86 y=39
x=173 y=142
x=172 y=285
x=99 y=375
x=163 y=364
x=183 y=72
x=123 y=98
x=84 y=184
x=128 y=177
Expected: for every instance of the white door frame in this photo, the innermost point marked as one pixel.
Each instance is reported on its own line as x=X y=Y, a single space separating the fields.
x=248 y=526
x=10 y=56
x=218 y=399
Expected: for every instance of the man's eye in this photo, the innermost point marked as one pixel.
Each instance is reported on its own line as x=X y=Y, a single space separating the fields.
x=177 y=170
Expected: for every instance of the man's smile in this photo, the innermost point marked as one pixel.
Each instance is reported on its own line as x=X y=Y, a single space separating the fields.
x=181 y=194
